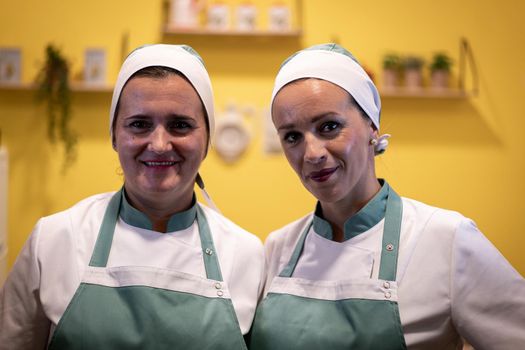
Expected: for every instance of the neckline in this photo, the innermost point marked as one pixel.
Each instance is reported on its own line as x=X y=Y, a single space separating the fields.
x=177 y=222
x=366 y=218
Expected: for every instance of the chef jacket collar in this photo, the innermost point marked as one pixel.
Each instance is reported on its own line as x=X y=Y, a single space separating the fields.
x=366 y=218
x=177 y=222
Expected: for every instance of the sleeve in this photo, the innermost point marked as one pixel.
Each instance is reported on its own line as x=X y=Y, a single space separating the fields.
x=23 y=323
x=488 y=294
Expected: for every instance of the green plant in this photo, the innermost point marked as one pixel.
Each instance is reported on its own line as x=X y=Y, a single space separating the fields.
x=413 y=62
x=54 y=91
x=440 y=61
x=391 y=61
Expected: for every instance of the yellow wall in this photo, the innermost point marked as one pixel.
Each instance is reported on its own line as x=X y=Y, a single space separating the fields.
x=464 y=154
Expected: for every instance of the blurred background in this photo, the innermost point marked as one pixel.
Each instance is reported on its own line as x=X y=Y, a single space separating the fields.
x=456 y=146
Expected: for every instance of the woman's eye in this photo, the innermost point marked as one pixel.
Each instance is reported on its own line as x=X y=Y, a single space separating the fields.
x=291 y=137
x=139 y=124
x=329 y=126
x=180 y=126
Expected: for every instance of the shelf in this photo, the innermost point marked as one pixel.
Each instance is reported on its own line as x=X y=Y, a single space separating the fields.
x=76 y=87
x=169 y=30
x=422 y=93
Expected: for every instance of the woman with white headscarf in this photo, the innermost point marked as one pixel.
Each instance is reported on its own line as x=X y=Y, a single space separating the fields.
x=146 y=267
x=369 y=269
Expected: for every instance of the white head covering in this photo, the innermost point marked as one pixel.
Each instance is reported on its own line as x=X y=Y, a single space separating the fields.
x=337 y=65
x=179 y=57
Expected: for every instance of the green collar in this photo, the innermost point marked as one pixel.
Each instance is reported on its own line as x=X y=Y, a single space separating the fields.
x=363 y=220
x=178 y=221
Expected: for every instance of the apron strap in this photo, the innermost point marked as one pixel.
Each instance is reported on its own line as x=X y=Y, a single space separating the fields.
x=211 y=261
x=390 y=245
x=391 y=234
x=100 y=255
x=288 y=270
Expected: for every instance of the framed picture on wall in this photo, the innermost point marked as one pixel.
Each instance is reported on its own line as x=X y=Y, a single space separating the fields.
x=95 y=66
x=10 y=65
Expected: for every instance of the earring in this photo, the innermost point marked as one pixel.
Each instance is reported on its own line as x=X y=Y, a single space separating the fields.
x=373 y=142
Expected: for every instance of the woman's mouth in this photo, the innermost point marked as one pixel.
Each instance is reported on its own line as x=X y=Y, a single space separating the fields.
x=322 y=175
x=158 y=163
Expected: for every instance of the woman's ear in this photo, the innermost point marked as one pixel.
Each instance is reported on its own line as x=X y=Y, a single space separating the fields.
x=374 y=134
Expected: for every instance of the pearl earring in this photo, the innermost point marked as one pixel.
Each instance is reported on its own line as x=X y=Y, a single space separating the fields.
x=373 y=142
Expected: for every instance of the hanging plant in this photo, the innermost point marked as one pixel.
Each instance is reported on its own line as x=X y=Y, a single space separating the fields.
x=53 y=89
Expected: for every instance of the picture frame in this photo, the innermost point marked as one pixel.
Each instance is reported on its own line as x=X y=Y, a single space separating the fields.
x=95 y=66
x=10 y=65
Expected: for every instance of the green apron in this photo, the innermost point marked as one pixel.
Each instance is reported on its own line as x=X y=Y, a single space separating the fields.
x=174 y=311
x=351 y=314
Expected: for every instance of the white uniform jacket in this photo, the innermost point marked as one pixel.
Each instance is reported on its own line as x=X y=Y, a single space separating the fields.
x=452 y=282
x=49 y=268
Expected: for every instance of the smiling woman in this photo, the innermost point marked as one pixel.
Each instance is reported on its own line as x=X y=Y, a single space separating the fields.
x=138 y=269
x=369 y=269
x=325 y=139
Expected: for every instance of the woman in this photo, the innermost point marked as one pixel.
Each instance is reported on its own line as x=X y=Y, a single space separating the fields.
x=146 y=267
x=368 y=269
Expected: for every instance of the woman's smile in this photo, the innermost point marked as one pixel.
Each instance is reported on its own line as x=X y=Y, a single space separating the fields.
x=322 y=175
x=160 y=163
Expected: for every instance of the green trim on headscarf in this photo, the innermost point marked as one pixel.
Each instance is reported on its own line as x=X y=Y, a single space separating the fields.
x=332 y=47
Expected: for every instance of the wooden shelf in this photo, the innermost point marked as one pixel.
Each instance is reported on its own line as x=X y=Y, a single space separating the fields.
x=422 y=93
x=232 y=33
x=76 y=87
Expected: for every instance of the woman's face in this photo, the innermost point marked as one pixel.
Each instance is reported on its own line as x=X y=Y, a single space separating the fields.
x=326 y=140
x=160 y=138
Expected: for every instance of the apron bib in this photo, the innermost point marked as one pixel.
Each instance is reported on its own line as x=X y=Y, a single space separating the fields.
x=136 y=307
x=347 y=314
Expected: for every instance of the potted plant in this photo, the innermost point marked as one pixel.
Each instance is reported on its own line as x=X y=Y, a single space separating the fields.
x=53 y=89
x=413 y=72
x=391 y=68
x=440 y=70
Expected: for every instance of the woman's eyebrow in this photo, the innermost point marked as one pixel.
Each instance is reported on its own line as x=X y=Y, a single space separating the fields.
x=314 y=120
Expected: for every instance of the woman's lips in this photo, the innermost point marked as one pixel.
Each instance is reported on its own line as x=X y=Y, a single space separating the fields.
x=158 y=164
x=322 y=175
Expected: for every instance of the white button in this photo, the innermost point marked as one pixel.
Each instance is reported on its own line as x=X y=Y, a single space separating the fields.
x=386 y=285
x=218 y=285
x=209 y=251
x=388 y=295
x=389 y=247
x=220 y=293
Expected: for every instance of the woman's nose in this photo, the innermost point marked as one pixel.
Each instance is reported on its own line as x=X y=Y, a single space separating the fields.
x=160 y=140
x=315 y=150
